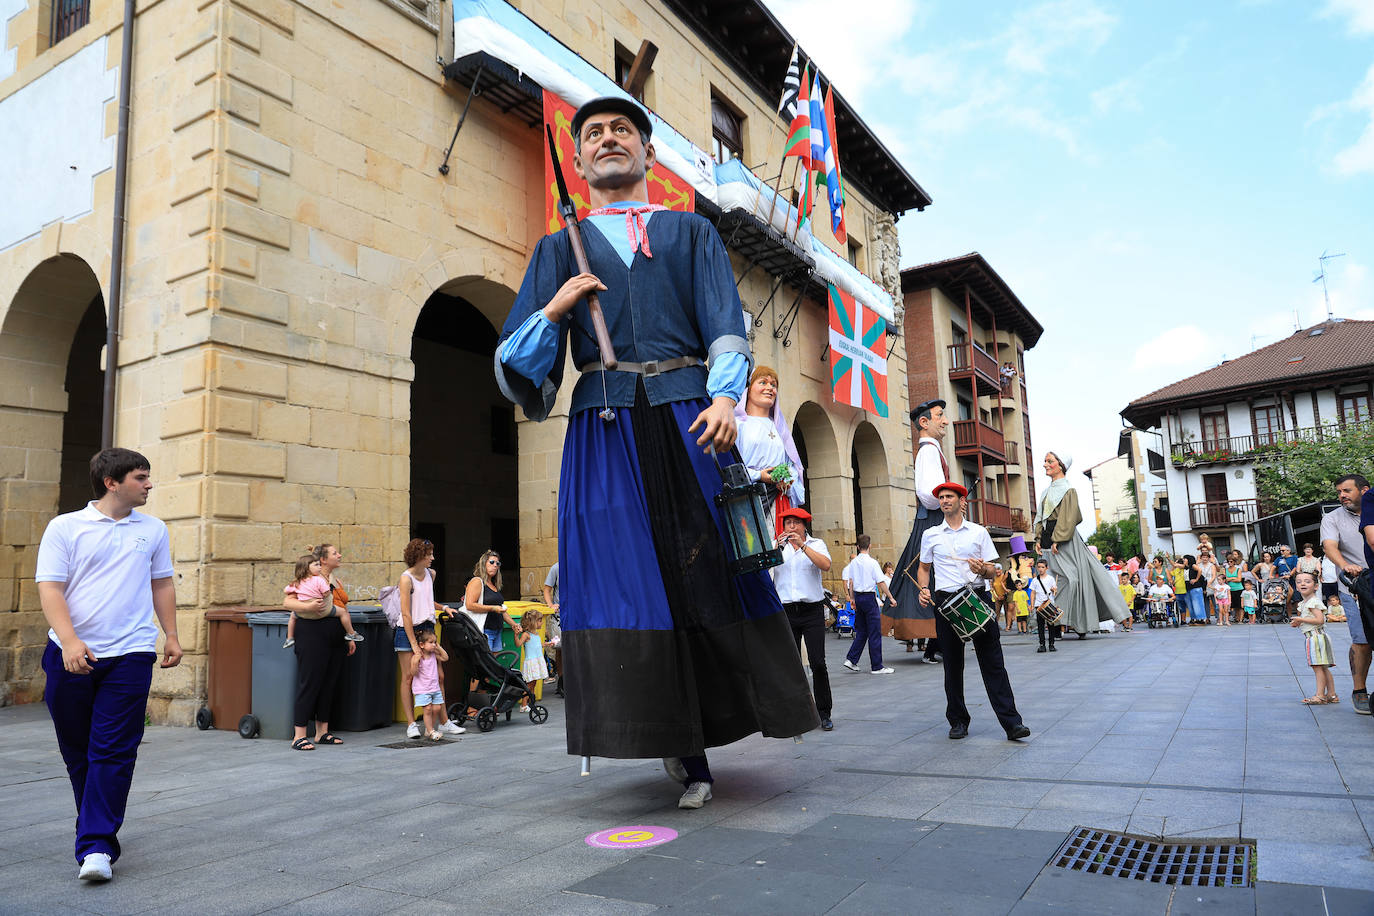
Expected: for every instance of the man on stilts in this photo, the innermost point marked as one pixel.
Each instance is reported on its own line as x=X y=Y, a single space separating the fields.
x=665 y=653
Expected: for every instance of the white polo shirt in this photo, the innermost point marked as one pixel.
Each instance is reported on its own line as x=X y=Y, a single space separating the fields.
x=865 y=574
x=947 y=550
x=1040 y=594
x=108 y=567
x=799 y=579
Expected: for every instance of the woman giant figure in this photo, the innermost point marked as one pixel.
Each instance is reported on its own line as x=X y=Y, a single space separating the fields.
x=1087 y=594
x=765 y=445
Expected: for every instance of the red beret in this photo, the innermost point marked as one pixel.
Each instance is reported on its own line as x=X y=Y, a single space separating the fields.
x=951 y=485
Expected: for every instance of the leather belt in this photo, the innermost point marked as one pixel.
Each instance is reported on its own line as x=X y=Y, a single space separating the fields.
x=651 y=368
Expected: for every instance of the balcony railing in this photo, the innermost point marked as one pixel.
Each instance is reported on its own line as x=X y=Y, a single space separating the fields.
x=1012 y=450
x=991 y=514
x=1251 y=448
x=1230 y=513
x=972 y=435
x=968 y=360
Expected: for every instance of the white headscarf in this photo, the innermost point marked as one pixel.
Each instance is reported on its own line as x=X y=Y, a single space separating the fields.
x=1058 y=487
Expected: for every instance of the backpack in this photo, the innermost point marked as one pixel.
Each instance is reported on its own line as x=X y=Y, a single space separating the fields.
x=391 y=604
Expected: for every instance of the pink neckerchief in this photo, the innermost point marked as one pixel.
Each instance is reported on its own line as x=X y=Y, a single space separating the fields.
x=636 y=226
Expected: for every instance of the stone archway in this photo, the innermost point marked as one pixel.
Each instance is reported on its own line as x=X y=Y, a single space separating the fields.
x=825 y=492
x=51 y=337
x=872 y=506
x=464 y=444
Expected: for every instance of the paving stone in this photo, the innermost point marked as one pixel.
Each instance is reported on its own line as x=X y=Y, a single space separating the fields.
x=1106 y=896
x=878 y=898
x=1273 y=899
x=754 y=890
x=1212 y=901
x=650 y=879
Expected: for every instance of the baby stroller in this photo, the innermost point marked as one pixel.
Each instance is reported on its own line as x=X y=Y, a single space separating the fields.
x=1274 y=601
x=499 y=689
x=844 y=618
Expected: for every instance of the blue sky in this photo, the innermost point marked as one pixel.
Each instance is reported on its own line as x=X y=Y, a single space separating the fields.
x=1154 y=180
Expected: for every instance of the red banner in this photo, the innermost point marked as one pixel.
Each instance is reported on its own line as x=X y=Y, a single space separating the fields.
x=665 y=187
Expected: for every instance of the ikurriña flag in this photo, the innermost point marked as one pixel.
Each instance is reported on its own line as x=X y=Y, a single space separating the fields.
x=858 y=354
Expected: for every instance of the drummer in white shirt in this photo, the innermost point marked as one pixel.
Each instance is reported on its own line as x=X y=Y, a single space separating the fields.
x=961 y=553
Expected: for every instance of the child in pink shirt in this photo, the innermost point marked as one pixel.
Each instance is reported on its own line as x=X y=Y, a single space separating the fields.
x=309 y=585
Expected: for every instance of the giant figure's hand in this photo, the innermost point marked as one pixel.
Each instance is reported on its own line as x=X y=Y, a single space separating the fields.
x=718 y=421
x=569 y=294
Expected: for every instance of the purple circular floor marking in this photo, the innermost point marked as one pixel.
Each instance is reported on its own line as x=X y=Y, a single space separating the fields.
x=634 y=837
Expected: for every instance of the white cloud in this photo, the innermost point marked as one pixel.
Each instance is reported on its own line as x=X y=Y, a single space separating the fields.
x=1186 y=345
x=1358 y=157
x=1052 y=29
x=855 y=49
x=1358 y=15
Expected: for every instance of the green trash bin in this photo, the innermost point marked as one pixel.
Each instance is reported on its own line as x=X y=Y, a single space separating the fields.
x=274 y=678
x=367 y=688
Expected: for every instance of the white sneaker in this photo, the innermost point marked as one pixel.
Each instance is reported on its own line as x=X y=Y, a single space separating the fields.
x=413 y=730
x=883 y=671
x=449 y=728
x=850 y=665
x=697 y=794
x=96 y=866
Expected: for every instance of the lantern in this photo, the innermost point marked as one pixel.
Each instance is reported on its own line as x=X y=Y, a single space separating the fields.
x=751 y=537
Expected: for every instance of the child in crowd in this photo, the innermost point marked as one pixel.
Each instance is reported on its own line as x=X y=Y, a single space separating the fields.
x=533 y=667
x=1221 y=594
x=883 y=593
x=1335 y=613
x=1022 y=602
x=1128 y=594
x=307 y=585
x=1249 y=602
x=1179 y=577
x=424 y=683
x=1312 y=618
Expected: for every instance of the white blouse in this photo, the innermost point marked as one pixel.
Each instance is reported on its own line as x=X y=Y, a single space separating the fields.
x=762 y=448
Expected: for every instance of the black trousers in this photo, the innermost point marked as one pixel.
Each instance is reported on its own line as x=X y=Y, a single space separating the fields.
x=1041 y=627
x=987 y=645
x=808 y=623
x=320 y=653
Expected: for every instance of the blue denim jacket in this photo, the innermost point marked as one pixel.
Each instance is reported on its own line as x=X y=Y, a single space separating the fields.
x=680 y=302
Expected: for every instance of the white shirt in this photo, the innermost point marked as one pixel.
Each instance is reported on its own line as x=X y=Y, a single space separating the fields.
x=947 y=550
x=108 y=568
x=864 y=574
x=929 y=472
x=1343 y=526
x=761 y=448
x=799 y=579
x=1038 y=594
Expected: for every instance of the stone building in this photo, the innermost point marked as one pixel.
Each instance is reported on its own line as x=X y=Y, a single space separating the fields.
x=963 y=327
x=315 y=265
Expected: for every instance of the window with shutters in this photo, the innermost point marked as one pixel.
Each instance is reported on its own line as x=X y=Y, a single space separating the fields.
x=1268 y=423
x=727 y=132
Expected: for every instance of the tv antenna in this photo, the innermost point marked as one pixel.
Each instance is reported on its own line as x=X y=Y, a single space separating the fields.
x=1321 y=275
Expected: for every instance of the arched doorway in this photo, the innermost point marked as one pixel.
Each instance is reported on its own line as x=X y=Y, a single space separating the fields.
x=50 y=396
x=820 y=455
x=464 y=474
x=872 y=511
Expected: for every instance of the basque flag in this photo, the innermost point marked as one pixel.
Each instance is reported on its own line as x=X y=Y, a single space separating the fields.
x=858 y=354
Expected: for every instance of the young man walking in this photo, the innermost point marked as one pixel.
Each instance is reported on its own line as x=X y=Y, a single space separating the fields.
x=864 y=576
x=103 y=573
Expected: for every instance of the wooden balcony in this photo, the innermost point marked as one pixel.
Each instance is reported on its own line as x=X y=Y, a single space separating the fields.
x=1012 y=450
x=974 y=436
x=1231 y=513
x=992 y=515
x=970 y=362
x=1019 y=522
x=1251 y=448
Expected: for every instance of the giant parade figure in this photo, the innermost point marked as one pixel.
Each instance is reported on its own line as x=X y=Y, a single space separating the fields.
x=665 y=652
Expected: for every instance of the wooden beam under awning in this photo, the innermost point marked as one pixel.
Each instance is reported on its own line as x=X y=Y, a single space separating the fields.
x=640 y=69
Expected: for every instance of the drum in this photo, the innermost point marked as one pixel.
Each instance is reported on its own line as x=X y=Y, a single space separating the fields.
x=1051 y=612
x=966 y=612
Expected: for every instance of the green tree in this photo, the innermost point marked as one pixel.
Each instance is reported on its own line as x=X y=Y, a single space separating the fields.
x=1120 y=538
x=1292 y=474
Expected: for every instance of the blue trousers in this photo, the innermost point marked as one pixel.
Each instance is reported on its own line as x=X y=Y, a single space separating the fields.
x=98 y=718
x=867 y=629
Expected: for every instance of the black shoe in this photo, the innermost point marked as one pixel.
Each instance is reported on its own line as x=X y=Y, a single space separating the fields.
x=1017 y=733
x=960 y=731
x=1042 y=648
x=1052 y=648
x=827 y=725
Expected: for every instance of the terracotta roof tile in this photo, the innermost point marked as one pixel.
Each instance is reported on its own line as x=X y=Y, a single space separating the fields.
x=1332 y=346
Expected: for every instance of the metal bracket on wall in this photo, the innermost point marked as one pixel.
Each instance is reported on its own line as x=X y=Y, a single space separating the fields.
x=783 y=328
x=765 y=303
x=473 y=90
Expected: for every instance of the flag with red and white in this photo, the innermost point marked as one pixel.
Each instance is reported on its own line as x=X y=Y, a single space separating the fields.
x=858 y=354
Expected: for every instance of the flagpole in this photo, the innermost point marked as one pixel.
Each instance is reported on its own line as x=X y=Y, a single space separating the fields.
x=758 y=195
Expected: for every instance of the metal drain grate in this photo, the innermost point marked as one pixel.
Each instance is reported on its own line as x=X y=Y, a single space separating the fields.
x=1123 y=856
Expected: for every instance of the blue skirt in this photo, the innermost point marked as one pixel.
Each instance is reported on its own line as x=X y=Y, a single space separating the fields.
x=665 y=652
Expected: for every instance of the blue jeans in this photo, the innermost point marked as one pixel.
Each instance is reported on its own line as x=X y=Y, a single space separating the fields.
x=494 y=640
x=98 y=718
x=867 y=629
x=1197 y=604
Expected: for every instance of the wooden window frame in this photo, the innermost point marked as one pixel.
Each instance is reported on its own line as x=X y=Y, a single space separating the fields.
x=719 y=141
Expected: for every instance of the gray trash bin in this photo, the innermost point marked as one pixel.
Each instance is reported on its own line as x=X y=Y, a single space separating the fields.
x=274 y=676
x=367 y=688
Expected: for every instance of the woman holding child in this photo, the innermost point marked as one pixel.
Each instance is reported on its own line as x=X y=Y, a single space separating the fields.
x=320 y=649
